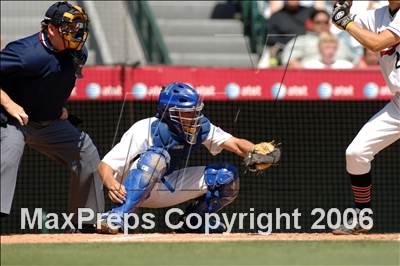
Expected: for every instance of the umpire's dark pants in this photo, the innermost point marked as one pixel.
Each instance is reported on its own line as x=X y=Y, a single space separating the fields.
x=60 y=141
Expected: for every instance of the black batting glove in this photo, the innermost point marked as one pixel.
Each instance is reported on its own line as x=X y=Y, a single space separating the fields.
x=341 y=14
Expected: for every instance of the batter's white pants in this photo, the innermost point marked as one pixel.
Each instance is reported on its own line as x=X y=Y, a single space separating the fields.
x=378 y=133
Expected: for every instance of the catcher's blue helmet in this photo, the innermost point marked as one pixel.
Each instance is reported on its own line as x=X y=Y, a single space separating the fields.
x=180 y=107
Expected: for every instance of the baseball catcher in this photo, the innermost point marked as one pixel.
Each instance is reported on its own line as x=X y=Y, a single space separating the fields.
x=149 y=154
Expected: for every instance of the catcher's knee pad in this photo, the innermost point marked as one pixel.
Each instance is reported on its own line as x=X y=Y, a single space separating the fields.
x=154 y=162
x=150 y=168
x=223 y=186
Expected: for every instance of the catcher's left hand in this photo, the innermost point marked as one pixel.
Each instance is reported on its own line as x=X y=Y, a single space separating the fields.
x=263 y=156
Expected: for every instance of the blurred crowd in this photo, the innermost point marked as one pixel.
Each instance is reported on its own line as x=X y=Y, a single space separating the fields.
x=300 y=34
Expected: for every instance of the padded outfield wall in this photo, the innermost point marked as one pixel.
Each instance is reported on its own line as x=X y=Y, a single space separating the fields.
x=314 y=130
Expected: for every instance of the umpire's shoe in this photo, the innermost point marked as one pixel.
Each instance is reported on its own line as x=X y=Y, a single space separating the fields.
x=214 y=228
x=357 y=229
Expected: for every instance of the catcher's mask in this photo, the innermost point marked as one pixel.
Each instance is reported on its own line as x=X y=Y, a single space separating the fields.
x=180 y=107
x=72 y=23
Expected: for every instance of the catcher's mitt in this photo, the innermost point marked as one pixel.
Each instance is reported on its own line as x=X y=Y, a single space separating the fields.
x=263 y=156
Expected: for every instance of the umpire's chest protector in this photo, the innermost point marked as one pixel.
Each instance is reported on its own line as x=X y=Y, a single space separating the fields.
x=177 y=148
x=37 y=77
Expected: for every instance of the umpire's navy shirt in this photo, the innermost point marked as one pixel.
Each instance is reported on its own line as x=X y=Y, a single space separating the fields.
x=37 y=77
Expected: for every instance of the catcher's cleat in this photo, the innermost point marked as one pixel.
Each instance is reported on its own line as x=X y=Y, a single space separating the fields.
x=86 y=229
x=106 y=228
x=356 y=230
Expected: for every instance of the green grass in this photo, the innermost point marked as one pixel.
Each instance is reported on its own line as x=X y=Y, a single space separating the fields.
x=227 y=253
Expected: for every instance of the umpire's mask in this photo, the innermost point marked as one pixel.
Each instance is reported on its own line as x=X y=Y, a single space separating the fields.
x=72 y=22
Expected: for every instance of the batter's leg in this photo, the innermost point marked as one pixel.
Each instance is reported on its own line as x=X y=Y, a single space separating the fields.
x=379 y=132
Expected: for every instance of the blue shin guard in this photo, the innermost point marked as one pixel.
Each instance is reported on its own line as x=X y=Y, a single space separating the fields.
x=150 y=168
x=223 y=186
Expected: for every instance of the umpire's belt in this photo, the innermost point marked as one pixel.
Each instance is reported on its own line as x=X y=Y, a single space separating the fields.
x=40 y=124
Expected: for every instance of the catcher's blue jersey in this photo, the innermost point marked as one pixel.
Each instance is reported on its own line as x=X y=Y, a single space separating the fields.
x=37 y=77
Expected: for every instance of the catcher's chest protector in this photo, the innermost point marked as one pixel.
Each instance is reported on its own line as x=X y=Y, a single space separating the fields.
x=177 y=148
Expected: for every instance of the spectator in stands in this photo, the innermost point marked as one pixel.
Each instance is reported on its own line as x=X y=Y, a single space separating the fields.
x=370 y=59
x=305 y=47
x=327 y=45
x=286 y=23
x=316 y=4
x=270 y=7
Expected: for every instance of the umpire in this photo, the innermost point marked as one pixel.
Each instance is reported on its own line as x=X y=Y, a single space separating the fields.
x=37 y=76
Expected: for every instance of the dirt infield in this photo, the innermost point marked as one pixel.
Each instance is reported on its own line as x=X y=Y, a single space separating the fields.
x=175 y=238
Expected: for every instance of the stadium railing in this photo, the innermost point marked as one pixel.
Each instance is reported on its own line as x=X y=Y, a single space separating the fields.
x=155 y=50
